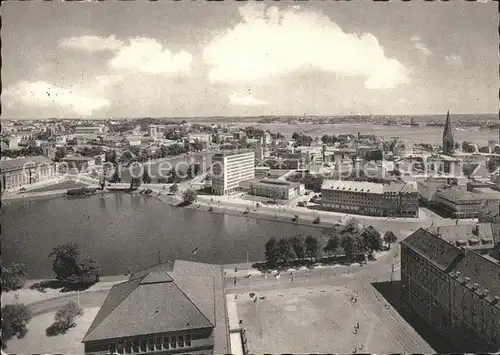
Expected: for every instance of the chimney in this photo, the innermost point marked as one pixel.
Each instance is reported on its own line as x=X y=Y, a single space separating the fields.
x=467 y=279
x=457 y=274
x=486 y=292
x=475 y=286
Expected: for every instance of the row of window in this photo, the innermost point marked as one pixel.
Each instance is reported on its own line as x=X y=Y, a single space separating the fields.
x=149 y=345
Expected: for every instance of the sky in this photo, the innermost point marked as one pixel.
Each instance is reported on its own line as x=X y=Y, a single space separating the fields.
x=197 y=58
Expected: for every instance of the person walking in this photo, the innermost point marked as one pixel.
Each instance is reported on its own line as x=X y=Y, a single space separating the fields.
x=235 y=281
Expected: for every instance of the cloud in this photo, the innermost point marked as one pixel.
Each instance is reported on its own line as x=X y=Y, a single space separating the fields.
x=41 y=94
x=272 y=43
x=147 y=55
x=245 y=100
x=420 y=46
x=454 y=60
x=92 y=43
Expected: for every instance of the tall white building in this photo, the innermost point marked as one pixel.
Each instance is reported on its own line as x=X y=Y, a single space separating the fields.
x=229 y=169
x=153 y=131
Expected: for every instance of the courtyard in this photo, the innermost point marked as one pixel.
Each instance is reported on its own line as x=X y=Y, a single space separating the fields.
x=320 y=319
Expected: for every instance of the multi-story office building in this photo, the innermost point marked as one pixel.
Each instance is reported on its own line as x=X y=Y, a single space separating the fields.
x=229 y=168
x=396 y=200
x=274 y=188
x=22 y=172
x=454 y=290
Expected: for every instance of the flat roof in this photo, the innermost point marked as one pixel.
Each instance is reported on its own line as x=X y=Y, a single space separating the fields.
x=19 y=163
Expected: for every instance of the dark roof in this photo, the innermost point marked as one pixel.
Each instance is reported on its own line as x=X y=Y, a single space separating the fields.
x=15 y=164
x=482 y=232
x=169 y=297
x=434 y=249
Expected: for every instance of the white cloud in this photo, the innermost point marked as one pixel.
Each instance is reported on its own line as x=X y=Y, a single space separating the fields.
x=422 y=48
x=245 y=100
x=92 y=43
x=272 y=43
x=41 y=94
x=147 y=55
x=454 y=60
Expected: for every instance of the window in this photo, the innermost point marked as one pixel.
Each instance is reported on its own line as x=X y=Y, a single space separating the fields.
x=128 y=347
x=180 y=341
x=151 y=345
x=119 y=348
x=143 y=345
x=158 y=343
x=187 y=339
x=166 y=343
x=135 y=346
x=173 y=342
x=112 y=348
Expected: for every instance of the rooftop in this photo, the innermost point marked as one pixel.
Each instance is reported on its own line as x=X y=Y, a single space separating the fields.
x=460 y=193
x=466 y=265
x=480 y=234
x=353 y=186
x=19 y=163
x=175 y=296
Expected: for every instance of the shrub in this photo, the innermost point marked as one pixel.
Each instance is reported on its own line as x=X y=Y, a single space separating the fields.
x=15 y=319
x=13 y=276
x=64 y=319
x=317 y=220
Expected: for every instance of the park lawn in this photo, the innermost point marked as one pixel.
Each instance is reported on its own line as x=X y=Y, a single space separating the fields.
x=37 y=342
x=68 y=184
x=305 y=320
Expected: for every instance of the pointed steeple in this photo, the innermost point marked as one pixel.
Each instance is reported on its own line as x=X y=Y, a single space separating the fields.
x=448 y=144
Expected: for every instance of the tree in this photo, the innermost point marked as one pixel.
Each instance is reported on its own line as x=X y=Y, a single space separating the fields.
x=13 y=276
x=371 y=239
x=64 y=319
x=189 y=196
x=71 y=269
x=351 y=226
x=286 y=251
x=174 y=188
x=299 y=246
x=331 y=245
x=15 y=319
x=352 y=245
x=135 y=182
x=272 y=252
x=274 y=194
x=312 y=246
x=389 y=238
x=317 y=220
x=197 y=145
x=145 y=176
x=117 y=173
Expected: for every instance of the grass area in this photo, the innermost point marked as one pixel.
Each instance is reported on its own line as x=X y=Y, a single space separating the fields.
x=304 y=320
x=68 y=184
x=36 y=341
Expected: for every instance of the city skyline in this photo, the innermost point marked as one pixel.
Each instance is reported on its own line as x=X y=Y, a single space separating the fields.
x=98 y=60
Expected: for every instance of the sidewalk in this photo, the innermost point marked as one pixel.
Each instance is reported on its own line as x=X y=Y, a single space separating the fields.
x=29 y=296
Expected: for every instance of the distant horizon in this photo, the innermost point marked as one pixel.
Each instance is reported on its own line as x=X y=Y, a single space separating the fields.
x=246 y=117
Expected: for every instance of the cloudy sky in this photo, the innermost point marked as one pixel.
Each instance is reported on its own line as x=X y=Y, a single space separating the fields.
x=161 y=59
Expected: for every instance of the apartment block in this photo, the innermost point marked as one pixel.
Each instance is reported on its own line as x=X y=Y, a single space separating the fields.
x=229 y=169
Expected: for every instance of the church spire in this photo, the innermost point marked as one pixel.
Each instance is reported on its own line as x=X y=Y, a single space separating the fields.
x=448 y=144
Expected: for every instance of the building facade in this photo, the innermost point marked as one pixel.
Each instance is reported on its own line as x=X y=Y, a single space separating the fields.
x=22 y=172
x=390 y=200
x=454 y=290
x=89 y=130
x=173 y=308
x=462 y=203
x=276 y=189
x=229 y=169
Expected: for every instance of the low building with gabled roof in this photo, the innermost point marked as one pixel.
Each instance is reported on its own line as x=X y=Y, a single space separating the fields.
x=177 y=307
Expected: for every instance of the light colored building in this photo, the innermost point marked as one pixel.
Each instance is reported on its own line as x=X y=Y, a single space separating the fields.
x=273 y=188
x=153 y=131
x=229 y=168
x=392 y=200
x=454 y=290
x=14 y=142
x=89 y=130
x=134 y=141
x=17 y=173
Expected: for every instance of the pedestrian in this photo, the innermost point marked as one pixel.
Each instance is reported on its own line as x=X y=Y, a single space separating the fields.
x=17 y=295
x=235 y=281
